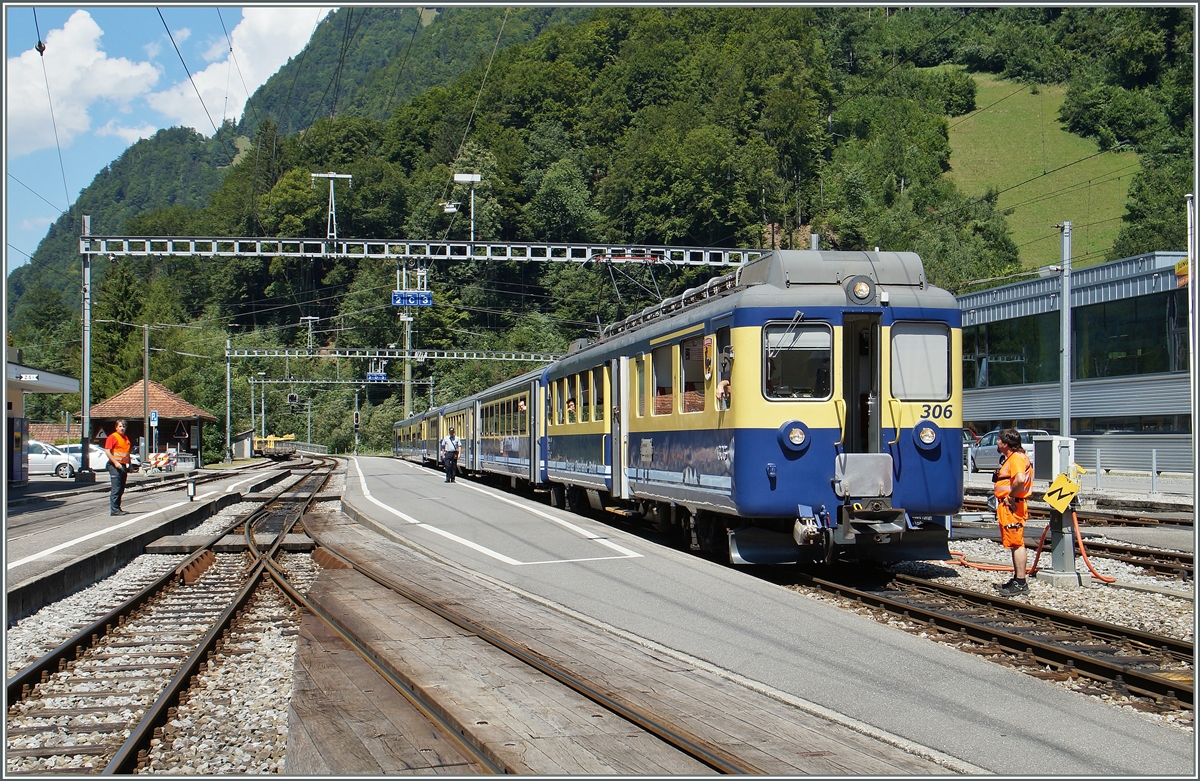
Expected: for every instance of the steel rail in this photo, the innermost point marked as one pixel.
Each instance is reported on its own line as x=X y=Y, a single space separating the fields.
x=713 y=757
x=1138 y=681
x=127 y=757
x=435 y=715
x=70 y=649
x=1169 y=562
x=1086 y=517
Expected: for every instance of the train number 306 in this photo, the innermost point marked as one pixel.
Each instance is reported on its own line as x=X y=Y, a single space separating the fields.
x=936 y=411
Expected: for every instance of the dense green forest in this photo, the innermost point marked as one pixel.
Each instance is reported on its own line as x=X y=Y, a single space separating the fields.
x=689 y=126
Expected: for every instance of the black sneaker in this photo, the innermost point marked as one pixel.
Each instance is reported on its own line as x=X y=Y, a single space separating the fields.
x=1001 y=586
x=1011 y=590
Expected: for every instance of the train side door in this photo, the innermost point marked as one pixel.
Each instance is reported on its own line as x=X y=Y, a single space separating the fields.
x=861 y=353
x=534 y=430
x=619 y=413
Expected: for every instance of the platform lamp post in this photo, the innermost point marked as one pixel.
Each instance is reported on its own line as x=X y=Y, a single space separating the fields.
x=471 y=179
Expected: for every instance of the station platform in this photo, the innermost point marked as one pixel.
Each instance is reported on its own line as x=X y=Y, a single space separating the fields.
x=886 y=682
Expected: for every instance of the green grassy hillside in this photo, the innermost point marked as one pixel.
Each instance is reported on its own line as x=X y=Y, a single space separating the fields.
x=1016 y=138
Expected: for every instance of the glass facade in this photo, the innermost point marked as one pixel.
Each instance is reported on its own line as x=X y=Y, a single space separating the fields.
x=1132 y=336
x=1140 y=335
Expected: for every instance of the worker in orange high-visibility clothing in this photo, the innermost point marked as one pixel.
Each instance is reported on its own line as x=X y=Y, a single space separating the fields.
x=117 y=448
x=1012 y=486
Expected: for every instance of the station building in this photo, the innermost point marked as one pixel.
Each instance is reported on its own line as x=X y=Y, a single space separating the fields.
x=1130 y=386
x=20 y=379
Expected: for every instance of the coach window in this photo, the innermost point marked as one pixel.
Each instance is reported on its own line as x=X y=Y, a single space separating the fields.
x=797 y=361
x=662 y=380
x=522 y=416
x=598 y=393
x=585 y=396
x=571 y=395
x=691 y=373
x=640 y=363
x=558 y=387
x=921 y=361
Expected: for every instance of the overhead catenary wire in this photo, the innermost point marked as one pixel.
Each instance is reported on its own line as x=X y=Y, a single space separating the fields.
x=41 y=50
x=188 y=72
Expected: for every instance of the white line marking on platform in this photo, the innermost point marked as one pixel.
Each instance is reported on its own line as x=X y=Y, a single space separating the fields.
x=625 y=553
x=84 y=538
x=239 y=482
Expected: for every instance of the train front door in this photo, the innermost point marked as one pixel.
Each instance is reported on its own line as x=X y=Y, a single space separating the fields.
x=861 y=357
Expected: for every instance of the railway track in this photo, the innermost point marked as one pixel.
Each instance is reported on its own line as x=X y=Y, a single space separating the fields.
x=94 y=703
x=1046 y=643
x=1095 y=517
x=1177 y=564
x=671 y=731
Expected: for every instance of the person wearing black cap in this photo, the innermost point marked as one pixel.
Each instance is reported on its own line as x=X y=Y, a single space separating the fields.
x=450 y=447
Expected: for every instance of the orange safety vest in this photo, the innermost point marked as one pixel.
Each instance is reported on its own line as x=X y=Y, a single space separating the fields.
x=1016 y=463
x=120 y=445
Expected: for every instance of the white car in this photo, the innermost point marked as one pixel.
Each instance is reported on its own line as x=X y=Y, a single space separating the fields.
x=96 y=458
x=985 y=457
x=46 y=459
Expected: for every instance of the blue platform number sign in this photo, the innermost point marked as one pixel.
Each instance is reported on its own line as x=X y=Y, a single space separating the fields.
x=376 y=376
x=412 y=298
x=154 y=418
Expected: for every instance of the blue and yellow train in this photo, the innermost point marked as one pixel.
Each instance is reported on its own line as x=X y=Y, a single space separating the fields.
x=806 y=407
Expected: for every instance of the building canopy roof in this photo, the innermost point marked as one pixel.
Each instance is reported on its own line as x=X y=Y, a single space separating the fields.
x=128 y=405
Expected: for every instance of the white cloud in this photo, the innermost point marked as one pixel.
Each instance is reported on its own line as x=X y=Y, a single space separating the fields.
x=128 y=134
x=79 y=75
x=262 y=43
x=38 y=224
x=181 y=35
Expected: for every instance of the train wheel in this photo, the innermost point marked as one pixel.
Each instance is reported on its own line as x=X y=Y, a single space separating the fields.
x=558 y=495
x=577 y=499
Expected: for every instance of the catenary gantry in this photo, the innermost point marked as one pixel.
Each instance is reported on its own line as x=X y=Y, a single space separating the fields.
x=399 y=249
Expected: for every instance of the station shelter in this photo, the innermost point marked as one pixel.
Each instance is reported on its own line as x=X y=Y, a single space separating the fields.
x=19 y=380
x=179 y=426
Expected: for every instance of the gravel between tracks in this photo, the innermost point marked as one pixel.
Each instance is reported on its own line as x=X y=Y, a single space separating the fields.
x=1148 y=611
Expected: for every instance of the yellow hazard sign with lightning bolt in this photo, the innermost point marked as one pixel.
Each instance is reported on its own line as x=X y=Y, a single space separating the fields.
x=1061 y=492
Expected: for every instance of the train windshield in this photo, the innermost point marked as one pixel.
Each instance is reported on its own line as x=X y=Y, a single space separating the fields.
x=921 y=361
x=797 y=361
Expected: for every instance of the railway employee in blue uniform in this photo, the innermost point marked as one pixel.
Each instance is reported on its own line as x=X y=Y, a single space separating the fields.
x=450 y=447
x=1012 y=485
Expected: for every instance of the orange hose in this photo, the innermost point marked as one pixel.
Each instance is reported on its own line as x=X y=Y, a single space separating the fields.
x=960 y=558
x=1083 y=552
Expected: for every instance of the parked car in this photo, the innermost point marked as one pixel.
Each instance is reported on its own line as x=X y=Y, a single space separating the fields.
x=969 y=440
x=46 y=459
x=96 y=458
x=984 y=455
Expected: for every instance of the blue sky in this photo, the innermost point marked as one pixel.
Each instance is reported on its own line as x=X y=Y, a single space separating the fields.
x=113 y=76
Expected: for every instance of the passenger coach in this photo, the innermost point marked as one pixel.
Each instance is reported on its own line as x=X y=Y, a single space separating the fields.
x=805 y=407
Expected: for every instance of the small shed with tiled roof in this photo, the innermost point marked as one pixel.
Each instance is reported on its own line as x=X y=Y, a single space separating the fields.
x=178 y=420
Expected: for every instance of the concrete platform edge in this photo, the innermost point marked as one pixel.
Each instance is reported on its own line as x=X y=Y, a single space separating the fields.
x=28 y=597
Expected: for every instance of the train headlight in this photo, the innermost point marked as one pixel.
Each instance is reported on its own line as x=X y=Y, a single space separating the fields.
x=860 y=290
x=927 y=436
x=794 y=436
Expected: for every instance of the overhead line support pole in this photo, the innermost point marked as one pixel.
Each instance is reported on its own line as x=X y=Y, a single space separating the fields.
x=85 y=473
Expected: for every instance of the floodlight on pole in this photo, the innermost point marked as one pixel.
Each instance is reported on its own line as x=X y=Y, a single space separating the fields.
x=471 y=179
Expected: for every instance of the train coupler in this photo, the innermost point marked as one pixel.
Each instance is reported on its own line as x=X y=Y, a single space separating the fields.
x=875 y=518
